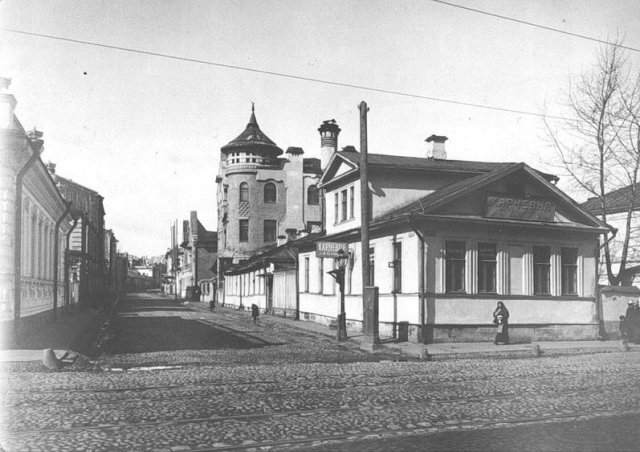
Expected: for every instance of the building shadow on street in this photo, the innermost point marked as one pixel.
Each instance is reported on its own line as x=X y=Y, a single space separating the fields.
x=156 y=334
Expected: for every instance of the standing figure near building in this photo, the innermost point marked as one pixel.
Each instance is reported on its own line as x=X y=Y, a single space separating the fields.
x=501 y=318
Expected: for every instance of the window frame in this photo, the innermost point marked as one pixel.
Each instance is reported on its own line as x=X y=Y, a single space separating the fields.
x=271 y=223
x=541 y=269
x=457 y=265
x=243 y=226
x=313 y=195
x=573 y=267
x=244 y=192
x=397 y=267
x=270 y=193
x=484 y=264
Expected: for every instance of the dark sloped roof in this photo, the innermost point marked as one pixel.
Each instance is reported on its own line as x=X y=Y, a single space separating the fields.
x=617 y=201
x=252 y=137
x=421 y=163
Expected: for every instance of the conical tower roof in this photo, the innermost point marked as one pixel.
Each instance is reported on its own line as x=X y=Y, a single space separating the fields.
x=252 y=138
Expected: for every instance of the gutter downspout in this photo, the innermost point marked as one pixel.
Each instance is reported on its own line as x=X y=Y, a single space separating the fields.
x=18 y=238
x=66 y=263
x=56 y=256
x=295 y=258
x=421 y=282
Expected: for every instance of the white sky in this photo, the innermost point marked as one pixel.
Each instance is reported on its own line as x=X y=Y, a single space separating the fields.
x=146 y=131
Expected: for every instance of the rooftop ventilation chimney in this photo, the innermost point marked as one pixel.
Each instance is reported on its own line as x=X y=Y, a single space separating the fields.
x=437 y=150
x=329 y=132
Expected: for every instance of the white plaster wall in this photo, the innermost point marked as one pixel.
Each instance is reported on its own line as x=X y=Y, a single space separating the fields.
x=525 y=311
x=401 y=308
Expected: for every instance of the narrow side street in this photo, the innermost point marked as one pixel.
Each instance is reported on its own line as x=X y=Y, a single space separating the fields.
x=236 y=385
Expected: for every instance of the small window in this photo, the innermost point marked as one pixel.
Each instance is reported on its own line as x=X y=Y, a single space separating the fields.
x=344 y=205
x=455 y=266
x=244 y=230
x=335 y=209
x=351 y=201
x=313 y=197
x=397 y=267
x=569 y=271
x=541 y=270
x=269 y=231
x=306 y=274
x=244 y=192
x=270 y=192
x=487 y=253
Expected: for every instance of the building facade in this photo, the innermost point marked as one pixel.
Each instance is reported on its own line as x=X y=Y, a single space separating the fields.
x=262 y=196
x=448 y=241
x=86 y=260
x=35 y=220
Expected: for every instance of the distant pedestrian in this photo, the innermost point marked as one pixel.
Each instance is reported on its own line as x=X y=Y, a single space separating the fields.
x=624 y=331
x=501 y=319
x=255 y=312
x=212 y=304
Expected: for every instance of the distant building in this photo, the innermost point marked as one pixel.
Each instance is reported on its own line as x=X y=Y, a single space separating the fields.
x=262 y=196
x=35 y=220
x=618 y=203
x=87 y=270
x=198 y=259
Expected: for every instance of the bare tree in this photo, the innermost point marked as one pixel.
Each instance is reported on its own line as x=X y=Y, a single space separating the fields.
x=598 y=147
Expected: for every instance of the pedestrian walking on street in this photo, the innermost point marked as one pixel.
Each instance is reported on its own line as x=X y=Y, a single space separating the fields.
x=255 y=312
x=501 y=319
x=624 y=331
x=633 y=323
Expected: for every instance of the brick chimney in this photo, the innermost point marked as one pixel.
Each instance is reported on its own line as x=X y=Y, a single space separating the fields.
x=329 y=132
x=437 y=150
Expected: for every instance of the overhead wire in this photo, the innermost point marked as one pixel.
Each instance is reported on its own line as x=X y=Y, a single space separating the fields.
x=531 y=24
x=287 y=75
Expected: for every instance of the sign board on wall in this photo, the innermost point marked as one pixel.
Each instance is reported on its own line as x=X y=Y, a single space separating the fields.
x=332 y=249
x=519 y=208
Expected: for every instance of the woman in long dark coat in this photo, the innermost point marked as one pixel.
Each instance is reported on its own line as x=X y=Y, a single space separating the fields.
x=501 y=318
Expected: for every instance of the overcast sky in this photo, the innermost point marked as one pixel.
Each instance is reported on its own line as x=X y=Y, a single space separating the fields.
x=145 y=131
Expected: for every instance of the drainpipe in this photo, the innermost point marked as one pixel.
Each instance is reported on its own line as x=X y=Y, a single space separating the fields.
x=421 y=282
x=18 y=238
x=66 y=263
x=56 y=255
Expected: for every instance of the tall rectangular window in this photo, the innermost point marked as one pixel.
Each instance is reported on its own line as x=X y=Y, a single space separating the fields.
x=372 y=267
x=397 y=267
x=344 y=205
x=270 y=231
x=351 y=202
x=569 y=258
x=454 y=266
x=320 y=275
x=306 y=274
x=541 y=270
x=244 y=230
x=336 y=218
x=487 y=260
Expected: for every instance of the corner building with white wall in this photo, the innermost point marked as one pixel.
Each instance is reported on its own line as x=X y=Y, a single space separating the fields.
x=449 y=239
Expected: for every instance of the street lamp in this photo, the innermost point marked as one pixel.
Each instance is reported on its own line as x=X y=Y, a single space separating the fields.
x=341 y=263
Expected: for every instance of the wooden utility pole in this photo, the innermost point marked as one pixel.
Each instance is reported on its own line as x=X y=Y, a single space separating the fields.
x=369 y=294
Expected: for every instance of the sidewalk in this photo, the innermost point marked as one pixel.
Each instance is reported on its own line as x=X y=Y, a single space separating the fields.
x=459 y=350
x=73 y=331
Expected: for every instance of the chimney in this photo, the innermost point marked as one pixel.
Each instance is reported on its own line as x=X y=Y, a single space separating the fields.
x=329 y=132
x=35 y=137
x=437 y=150
x=52 y=168
x=7 y=104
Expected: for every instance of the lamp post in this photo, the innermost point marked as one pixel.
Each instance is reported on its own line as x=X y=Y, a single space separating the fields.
x=341 y=262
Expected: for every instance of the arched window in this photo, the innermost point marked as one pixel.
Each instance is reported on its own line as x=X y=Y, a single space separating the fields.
x=244 y=192
x=270 y=192
x=313 y=197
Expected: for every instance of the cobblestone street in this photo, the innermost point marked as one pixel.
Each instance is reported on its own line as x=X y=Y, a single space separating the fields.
x=272 y=386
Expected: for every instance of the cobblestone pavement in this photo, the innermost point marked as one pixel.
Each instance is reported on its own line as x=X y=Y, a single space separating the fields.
x=225 y=403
